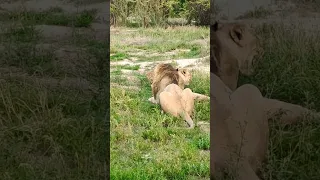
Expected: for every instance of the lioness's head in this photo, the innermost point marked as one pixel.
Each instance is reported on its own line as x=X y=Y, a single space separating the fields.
x=185 y=75
x=235 y=41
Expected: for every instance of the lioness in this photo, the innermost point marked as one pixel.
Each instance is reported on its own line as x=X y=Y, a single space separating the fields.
x=239 y=131
x=233 y=47
x=168 y=90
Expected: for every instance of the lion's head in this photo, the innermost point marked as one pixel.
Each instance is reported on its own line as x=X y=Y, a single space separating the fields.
x=164 y=74
x=185 y=75
x=234 y=47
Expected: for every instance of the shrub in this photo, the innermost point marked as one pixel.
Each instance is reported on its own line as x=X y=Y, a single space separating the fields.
x=199 y=11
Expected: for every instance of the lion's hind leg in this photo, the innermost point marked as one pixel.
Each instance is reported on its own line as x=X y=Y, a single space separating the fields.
x=200 y=97
x=187 y=102
x=288 y=113
x=177 y=102
x=169 y=103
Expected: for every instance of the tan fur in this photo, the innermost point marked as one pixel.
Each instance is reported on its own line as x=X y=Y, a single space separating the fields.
x=239 y=124
x=160 y=67
x=233 y=48
x=178 y=102
x=168 y=90
x=165 y=74
x=150 y=76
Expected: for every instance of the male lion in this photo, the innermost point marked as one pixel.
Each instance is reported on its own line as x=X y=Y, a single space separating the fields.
x=239 y=131
x=168 y=90
x=233 y=48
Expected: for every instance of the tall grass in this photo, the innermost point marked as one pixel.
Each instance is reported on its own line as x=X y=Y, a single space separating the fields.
x=290 y=71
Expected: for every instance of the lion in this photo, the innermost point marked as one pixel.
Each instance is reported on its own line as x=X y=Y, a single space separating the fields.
x=181 y=75
x=150 y=76
x=233 y=47
x=168 y=89
x=239 y=130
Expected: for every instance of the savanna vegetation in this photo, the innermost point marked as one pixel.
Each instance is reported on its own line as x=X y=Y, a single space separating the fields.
x=53 y=95
x=143 y=13
x=146 y=144
x=289 y=71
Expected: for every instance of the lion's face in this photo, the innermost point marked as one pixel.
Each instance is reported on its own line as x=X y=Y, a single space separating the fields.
x=236 y=41
x=185 y=74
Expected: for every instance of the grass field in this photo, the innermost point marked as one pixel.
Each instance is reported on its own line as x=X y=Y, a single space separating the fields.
x=290 y=71
x=146 y=144
x=154 y=44
x=52 y=96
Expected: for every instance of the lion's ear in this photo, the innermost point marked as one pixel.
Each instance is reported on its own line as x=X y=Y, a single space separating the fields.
x=236 y=34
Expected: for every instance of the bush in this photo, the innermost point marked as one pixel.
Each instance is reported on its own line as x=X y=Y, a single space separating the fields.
x=199 y=11
x=144 y=13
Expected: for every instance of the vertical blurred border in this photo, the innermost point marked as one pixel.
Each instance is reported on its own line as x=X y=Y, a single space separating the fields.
x=107 y=91
x=212 y=20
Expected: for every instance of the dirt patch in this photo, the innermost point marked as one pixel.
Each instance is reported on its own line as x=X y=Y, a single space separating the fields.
x=201 y=42
x=155 y=54
x=54 y=32
x=62 y=33
x=191 y=63
x=119 y=30
x=100 y=31
x=198 y=64
x=135 y=41
x=204 y=126
x=115 y=85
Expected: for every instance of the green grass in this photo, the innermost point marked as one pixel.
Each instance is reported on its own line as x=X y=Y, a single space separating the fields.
x=308 y=4
x=51 y=124
x=129 y=67
x=21 y=47
x=52 y=16
x=194 y=52
x=154 y=44
x=21 y=34
x=290 y=71
x=146 y=144
x=118 y=57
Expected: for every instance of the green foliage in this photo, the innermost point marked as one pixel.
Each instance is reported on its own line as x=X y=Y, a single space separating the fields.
x=176 y=8
x=120 y=9
x=138 y=13
x=199 y=11
x=146 y=144
x=52 y=16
